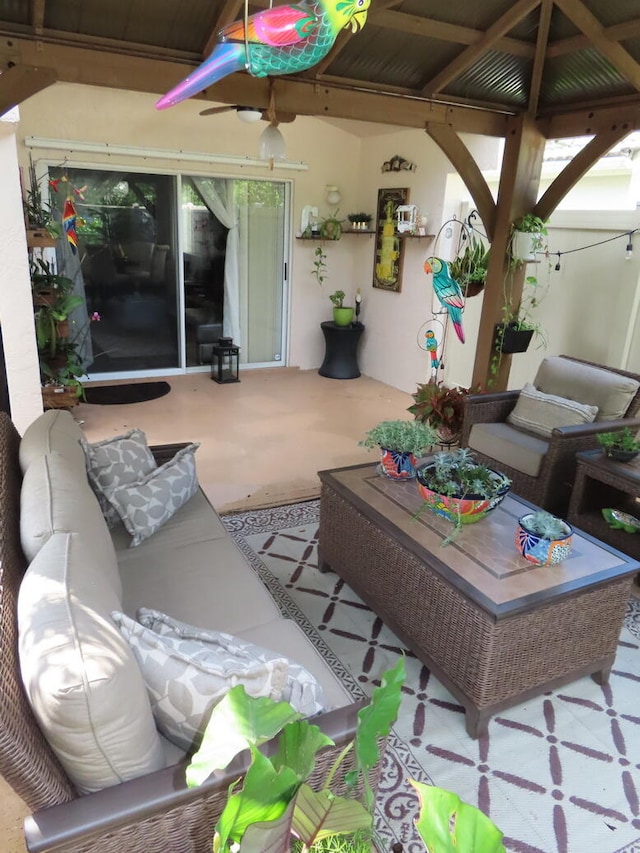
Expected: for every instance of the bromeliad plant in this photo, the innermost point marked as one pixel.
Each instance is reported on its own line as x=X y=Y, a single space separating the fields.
x=275 y=804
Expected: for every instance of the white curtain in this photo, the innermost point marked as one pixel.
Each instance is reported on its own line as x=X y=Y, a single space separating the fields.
x=217 y=194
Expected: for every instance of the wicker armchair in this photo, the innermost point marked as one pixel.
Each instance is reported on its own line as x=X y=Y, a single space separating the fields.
x=551 y=486
x=155 y=813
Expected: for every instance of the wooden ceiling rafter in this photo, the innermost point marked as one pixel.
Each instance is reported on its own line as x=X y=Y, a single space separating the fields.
x=617 y=32
x=19 y=82
x=587 y=23
x=229 y=13
x=37 y=15
x=544 y=25
x=468 y=56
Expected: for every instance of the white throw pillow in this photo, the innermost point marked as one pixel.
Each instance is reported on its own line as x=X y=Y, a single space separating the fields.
x=116 y=462
x=542 y=413
x=188 y=670
x=144 y=506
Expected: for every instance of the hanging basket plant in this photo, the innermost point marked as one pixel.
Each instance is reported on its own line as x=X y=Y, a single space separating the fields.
x=510 y=338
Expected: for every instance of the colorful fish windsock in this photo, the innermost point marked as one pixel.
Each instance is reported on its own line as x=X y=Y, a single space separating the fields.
x=69 y=217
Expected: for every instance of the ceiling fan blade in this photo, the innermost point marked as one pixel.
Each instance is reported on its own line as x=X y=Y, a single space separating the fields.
x=212 y=111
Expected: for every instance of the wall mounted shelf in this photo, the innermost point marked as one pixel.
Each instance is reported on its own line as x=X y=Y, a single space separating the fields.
x=401 y=236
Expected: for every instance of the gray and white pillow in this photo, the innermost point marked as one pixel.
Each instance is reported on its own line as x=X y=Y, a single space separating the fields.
x=145 y=505
x=117 y=462
x=188 y=670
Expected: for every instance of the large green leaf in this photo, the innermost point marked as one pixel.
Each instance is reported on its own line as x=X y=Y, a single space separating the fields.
x=273 y=836
x=297 y=747
x=236 y=722
x=375 y=721
x=318 y=815
x=447 y=825
x=265 y=795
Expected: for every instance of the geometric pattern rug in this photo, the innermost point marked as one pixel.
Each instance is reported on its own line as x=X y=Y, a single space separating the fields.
x=558 y=774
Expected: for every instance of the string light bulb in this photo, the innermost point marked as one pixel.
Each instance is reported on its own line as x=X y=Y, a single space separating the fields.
x=629 y=253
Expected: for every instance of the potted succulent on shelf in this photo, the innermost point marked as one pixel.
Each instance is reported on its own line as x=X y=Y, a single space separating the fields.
x=440 y=407
x=399 y=442
x=460 y=489
x=543 y=538
x=342 y=316
x=623 y=445
x=359 y=221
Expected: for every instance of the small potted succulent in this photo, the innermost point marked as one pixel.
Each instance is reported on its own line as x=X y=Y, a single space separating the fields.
x=399 y=442
x=460 y=489
x=342 y=315
x=359 y=221
x=543 y=538
x=623 y=445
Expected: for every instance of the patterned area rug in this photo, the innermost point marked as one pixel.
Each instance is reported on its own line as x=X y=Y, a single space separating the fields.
x=557 y=774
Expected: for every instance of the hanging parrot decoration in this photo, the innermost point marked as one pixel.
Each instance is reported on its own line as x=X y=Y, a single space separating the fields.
x=431 y=345
x=448 y=292
x=69 y=217
x=281 y=40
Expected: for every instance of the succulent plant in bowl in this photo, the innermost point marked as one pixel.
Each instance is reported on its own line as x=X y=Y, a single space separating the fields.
x=543 y=538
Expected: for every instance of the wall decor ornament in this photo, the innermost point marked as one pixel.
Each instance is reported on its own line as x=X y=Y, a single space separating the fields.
x=387 y=270
x=398 y=164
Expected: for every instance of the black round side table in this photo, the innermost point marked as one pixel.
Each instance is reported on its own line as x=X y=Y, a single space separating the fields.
x=341 y=350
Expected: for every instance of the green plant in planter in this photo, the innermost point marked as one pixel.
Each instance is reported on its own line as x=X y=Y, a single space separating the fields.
x=44 y=277
x=274 y=805
x=331 y=227
x=440 y=407
x=401 y=436
x=319 y=265
x=623 y=440
x=48 y=319
x=337 y=298
x=363 y=219
x=544 y=524
x=38 y=213
x=470 y=268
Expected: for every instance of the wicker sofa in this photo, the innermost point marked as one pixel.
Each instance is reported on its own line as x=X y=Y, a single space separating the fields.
x=542 y=467
x=190 y=567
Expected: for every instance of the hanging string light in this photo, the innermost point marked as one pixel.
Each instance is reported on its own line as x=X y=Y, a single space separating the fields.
x=629 y=253
x=557 y=266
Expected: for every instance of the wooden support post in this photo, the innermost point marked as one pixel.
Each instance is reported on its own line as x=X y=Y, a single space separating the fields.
x=519 y=182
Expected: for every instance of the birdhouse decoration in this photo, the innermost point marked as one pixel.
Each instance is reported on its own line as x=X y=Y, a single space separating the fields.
x=406 y=218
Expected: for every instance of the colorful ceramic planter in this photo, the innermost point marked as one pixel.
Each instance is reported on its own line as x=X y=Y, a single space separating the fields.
x=538 y=550
x=466 y=510
x=397 y=464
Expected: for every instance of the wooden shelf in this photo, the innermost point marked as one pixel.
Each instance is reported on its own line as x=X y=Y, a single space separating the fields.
x=38 y=238
x=401 y=236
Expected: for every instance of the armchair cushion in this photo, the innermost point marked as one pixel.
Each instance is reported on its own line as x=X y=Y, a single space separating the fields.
x=509 y=446
x=611 y=392
x=541 y=413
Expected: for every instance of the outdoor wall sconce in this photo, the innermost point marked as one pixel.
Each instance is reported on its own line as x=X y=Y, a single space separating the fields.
x=225 y=361
x=333 y=194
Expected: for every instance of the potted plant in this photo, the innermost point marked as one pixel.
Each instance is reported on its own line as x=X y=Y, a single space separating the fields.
x=399 y=442
x=360 y=221
x=623 y=445
x=440 y=407
x=47 y=286
x=331 y=227
x=460 y=489
x=342 y=316
x=42 y=229
x=543 y=538
x=470 y=268
x=527 y=238
x=275 y=806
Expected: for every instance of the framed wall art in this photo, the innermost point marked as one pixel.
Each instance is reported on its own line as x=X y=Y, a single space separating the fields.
x=387 y=268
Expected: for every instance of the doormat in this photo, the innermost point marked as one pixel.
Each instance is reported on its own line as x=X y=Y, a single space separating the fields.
x=118 y=395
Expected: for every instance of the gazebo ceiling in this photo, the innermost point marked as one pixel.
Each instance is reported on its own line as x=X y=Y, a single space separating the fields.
x=572 y=64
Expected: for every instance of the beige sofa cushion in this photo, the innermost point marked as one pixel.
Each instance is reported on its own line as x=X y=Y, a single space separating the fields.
x=509 y=446
x=542 y=413
x=54 y=430
x=80 y=676
x=610 y=392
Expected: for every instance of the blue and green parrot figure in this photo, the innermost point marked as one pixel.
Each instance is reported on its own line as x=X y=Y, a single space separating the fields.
x=448 y=292
x=431 y=345
x=282 y=40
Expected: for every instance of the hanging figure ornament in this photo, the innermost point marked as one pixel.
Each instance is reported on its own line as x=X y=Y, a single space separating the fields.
x=448 y=292
x=69 y=218
x=281 y=40
x=431 y=346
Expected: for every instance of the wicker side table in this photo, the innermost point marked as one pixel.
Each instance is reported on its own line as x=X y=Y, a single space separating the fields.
x=600 y=483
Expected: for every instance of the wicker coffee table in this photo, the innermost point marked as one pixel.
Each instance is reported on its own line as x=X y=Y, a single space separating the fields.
x=491 y=627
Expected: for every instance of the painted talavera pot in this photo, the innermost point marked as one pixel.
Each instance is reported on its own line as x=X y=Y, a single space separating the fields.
x=540 y=551
x=397 y=464
x=468 y=509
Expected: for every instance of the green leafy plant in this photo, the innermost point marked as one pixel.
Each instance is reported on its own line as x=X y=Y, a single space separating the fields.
x=337 y=298
x=275 y=810
x=402 y=436
x=530 y=224
x=38 y=213
x=623 y=440
x=455 y=473
x=359 y=217
x=48 y=319
x=546 y=525
x=440 y=407
x=331 y=227
x=44 y=277
x=469 y=269
x=319 y=265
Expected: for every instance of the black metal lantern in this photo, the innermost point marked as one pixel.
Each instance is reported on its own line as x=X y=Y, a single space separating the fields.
x=225 y=361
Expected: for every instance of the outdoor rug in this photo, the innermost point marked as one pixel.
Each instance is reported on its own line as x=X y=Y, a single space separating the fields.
x=131 y=392
x=557 y=774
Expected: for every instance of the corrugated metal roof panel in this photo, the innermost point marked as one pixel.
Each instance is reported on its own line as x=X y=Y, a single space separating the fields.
x=15 y=11
x=495 y=77
x=571 y=76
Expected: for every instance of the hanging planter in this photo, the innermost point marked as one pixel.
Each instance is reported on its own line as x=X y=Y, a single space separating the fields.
x=524 y=246
x=509 y=339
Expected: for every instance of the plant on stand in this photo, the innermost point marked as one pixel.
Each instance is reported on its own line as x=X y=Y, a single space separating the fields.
x=400 y=442
x=622 y=445
x=441 y=408
x=342 y=315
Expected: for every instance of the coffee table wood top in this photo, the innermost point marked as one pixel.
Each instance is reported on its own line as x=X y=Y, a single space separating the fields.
x=482 y=561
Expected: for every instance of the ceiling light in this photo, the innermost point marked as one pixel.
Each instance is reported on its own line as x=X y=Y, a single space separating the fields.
x=271 y=145
x=249 y=114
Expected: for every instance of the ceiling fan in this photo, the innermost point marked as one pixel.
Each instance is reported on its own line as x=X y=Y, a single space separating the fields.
x=249 y=114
